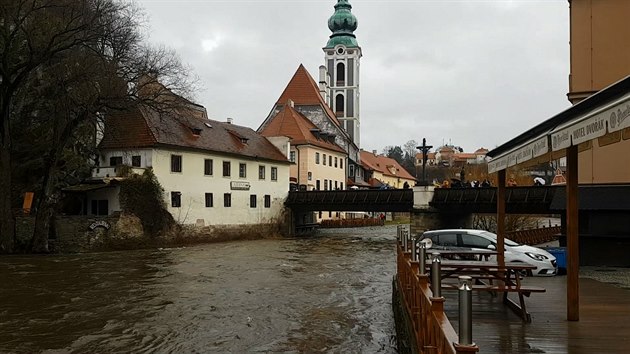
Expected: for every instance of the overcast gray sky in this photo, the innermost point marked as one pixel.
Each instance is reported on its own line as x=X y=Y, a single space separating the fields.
x=475 y=73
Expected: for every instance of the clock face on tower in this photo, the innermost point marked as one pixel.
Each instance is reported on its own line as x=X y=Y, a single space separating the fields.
x=340 y=50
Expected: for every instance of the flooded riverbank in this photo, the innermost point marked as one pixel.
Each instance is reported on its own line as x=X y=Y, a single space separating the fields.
x=327 y=293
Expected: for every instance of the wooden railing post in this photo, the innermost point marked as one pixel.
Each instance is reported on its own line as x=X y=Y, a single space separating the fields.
x=429 y=324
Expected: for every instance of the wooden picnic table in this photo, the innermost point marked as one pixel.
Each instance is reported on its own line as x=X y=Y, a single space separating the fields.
x=492 y=277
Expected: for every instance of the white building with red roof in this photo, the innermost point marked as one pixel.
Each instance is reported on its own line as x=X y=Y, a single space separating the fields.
x=212 y=172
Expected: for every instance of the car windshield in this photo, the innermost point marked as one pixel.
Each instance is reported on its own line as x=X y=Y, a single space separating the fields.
x=508 y=242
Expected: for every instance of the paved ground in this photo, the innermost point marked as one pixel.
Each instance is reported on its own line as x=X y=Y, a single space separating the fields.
x=617 y=276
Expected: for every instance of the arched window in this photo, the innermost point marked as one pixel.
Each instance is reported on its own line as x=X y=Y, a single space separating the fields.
x=339 y=105
x=341 y=74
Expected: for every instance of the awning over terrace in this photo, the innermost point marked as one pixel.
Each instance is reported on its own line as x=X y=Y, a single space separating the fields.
x=606 y=112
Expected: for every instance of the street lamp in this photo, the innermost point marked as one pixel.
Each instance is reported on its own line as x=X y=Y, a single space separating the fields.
x=424 y=148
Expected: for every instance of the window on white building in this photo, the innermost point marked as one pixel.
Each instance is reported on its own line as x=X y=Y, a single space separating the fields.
x=341 y=163
x=339 y=108
x=335 y=161
x=227 y=166
x=252 y=200
x=292 y=156
x=274 y=173
x=341 y=74
x=324 y=162
x=209 y=200
x=115 y=161
x=136 y=161
x=317 y=158
x=242 y=170
x=207 y=167
x=176 y=163
x=176 y=199
x=100 y=207
x=227 y=200
x=261 y=172
x=267 y=201
x=310 y=176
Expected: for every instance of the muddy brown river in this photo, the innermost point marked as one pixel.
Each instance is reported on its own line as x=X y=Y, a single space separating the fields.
x=329 y=293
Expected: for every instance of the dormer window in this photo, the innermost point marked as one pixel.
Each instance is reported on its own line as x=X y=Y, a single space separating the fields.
x=196 y=131
x=241 y=139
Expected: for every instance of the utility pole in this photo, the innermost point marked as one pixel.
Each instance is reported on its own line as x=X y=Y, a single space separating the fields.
x=424 y=148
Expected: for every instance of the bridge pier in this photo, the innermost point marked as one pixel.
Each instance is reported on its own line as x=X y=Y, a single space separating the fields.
x=425 y=217
x=431 y=219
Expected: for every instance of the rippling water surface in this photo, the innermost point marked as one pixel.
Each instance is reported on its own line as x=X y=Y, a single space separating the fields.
x=326 y=293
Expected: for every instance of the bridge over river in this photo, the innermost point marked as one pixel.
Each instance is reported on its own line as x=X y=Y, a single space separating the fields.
x=525 y=200
x=445 y=207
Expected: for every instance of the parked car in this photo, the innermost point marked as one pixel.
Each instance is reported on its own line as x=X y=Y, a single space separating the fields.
x=544 y=261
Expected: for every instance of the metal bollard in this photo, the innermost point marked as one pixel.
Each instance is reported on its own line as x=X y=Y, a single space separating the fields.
x=422 y=258
x=465 y=310
x=414 y=249
x=405 y=241
x=436 y=276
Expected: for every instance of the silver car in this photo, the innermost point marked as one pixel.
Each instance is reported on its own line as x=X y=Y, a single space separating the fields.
x=544 y=261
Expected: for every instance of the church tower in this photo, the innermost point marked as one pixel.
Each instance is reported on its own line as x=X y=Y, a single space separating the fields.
x=339 y=78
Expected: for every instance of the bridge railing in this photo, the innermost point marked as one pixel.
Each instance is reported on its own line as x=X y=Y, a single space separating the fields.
x=537 y=194
x=352 y=200
x=432 y=330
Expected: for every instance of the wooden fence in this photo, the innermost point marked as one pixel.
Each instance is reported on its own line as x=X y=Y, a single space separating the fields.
x=535 y=236
x=358 y=222
x=432 y=331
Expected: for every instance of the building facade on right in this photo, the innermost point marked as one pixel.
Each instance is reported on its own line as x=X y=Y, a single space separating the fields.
x=600 y=56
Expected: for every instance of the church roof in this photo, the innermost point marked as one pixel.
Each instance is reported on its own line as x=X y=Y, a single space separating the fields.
x=289 y=122
x=342 y=23
x=303 y=90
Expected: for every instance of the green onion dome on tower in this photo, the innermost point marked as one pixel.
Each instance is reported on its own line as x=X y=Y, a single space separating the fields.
x=342 y=24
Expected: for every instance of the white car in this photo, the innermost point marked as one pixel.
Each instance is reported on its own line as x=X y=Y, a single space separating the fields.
x=544 y=261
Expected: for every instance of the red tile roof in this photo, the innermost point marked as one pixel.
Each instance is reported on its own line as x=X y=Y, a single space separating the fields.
x=481 y=151
x=144 y=127
x=289 y=122
x=303 y=90
x=465 y=156
x=381 y=163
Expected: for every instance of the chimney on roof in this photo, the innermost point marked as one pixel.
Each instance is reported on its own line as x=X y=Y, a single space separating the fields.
x=230 y=120
x=290 y=103
x=374 y=152
x=324 y=83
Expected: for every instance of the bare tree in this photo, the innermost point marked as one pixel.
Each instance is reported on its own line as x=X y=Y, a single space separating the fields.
x=64 y=63
x=513 y=222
